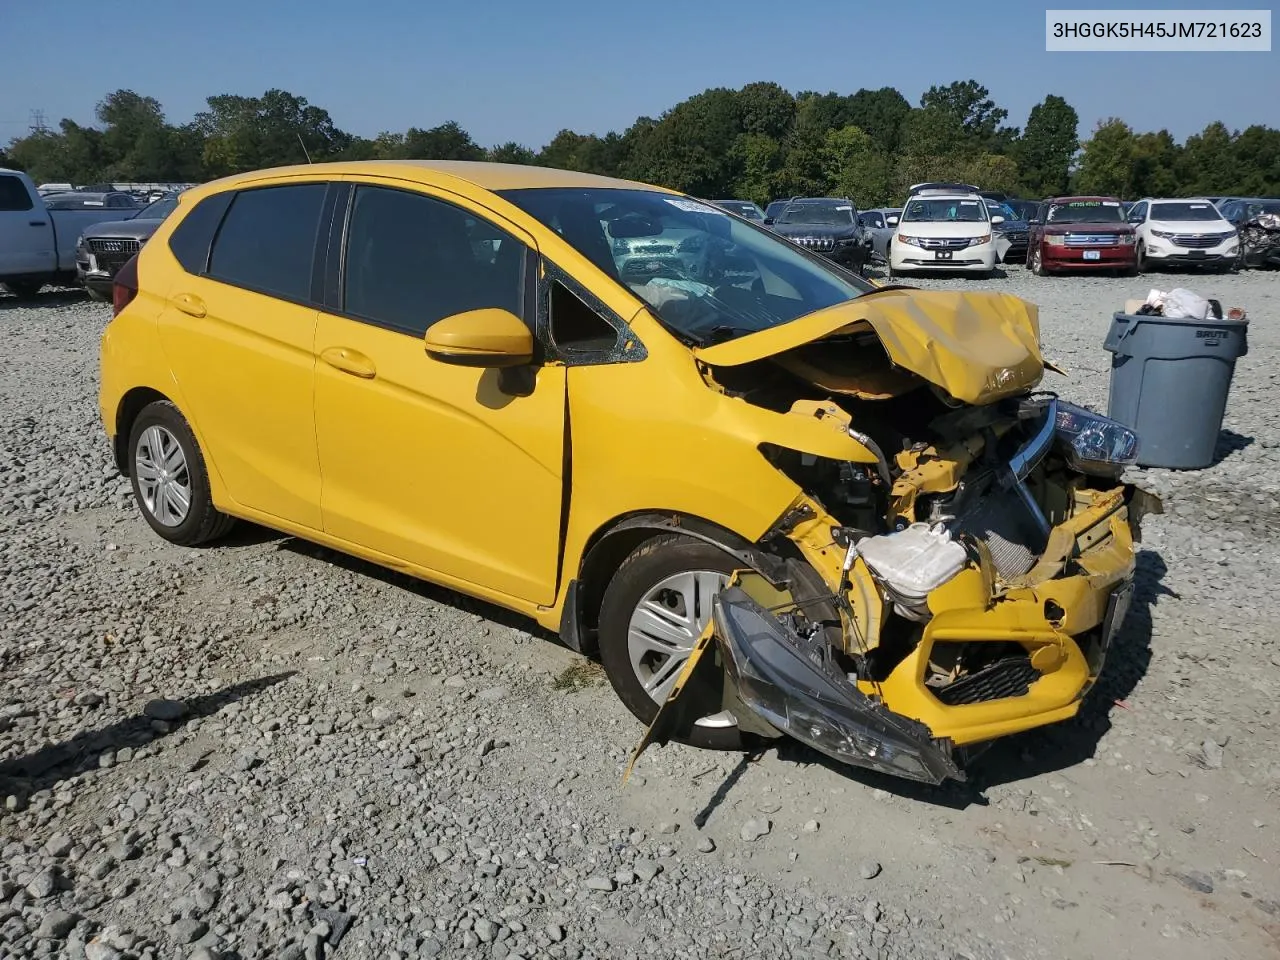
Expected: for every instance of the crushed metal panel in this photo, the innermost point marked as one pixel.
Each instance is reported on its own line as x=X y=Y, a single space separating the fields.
x=977 y=346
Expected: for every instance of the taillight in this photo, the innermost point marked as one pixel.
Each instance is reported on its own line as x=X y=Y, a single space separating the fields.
x=124 y=286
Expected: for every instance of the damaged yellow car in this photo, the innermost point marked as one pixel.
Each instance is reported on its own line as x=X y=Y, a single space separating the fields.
x=597 y=403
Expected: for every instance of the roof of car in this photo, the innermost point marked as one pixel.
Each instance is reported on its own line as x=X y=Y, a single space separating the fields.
x=487 y=176
x=1069 y=199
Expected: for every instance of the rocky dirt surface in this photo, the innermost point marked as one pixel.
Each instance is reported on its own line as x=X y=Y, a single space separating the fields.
x=266 y=750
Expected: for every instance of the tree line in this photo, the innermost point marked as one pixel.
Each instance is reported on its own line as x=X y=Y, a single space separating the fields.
x=758 y=142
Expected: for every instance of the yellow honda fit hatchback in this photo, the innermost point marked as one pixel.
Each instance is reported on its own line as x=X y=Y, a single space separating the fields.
x=649 y=425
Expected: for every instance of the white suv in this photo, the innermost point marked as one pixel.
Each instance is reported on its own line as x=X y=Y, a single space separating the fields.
x=1183 y=231
x=942 y=229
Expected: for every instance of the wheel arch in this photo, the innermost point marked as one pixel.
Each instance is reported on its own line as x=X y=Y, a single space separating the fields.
x=135 y=400
x=614 y=541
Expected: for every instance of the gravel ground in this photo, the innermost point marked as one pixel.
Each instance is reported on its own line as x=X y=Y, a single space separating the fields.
x=264 y=749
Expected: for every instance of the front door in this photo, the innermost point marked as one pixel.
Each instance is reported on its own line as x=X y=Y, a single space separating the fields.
x=450 y=468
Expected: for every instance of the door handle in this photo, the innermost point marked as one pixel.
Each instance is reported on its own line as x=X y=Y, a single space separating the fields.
x=190 y=304
x=37 y=223
x=349 y=361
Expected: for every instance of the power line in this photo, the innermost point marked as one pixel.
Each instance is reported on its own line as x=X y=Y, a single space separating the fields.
x=37 y=122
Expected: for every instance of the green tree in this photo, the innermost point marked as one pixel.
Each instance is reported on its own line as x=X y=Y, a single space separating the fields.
x=1256 y=154
x=1156 y=157
x=766 y=109
x=1208 y=161
x=512 y=152
x=278 y=128
x=448 y=141
x=855 y=167
x=758 y=158
x=1047 y=145
x=969 y=104
x=1106 y=161
x=690 y=147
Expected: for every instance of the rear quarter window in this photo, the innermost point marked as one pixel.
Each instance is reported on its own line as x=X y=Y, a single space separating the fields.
x=14 y=194
x=191 y=239
x=267 y=241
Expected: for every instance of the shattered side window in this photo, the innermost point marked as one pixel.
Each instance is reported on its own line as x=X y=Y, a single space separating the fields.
x=578 y=327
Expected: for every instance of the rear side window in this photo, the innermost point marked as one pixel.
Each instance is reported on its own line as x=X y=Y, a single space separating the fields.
x=191 y=239
x=268 y=240
x=14 y=194
x=412 y=260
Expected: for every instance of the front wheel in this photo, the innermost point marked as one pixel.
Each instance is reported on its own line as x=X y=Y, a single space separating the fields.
x=169 y=479
x=1035 y=262
x=654 y=610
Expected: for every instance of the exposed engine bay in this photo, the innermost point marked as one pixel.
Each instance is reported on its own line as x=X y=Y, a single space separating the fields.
x=975 y=556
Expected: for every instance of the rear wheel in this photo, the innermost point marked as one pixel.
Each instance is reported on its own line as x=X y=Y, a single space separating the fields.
x=653 y=612
x=24 y=289
x=169 y=479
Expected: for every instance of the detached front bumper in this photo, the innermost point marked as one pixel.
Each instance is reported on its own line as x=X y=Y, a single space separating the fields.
x=1061 y=615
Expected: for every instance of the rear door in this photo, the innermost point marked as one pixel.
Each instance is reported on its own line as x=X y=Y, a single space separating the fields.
x=239 y=334
x=26 y=235
x=456 y=469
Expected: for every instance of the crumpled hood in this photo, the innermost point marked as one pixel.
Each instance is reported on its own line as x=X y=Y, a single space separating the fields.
x=977 y=346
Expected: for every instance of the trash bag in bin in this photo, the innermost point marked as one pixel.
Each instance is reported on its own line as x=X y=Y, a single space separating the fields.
x=1170 y=377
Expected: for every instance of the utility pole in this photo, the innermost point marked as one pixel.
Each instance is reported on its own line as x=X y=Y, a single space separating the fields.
x=37 y=122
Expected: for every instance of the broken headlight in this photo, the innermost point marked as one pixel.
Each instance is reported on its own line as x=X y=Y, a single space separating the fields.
x=829 y=713
x=1094 y=444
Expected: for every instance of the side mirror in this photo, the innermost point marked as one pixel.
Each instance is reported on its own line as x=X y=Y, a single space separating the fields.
x=768 y=221
x=480 y=338
x=891 y=221
x=997 y=219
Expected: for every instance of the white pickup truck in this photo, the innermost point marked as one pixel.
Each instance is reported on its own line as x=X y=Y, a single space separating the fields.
x=38 y=245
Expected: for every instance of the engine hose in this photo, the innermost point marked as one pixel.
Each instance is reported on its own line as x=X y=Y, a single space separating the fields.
x=882 y=464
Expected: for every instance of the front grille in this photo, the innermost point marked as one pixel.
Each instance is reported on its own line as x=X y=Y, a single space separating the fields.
x=1199 y=240
x=123 y=247
x=944 y=243
x=1010 y=677
x=1020 y=237
x=1092 y=239
x=817 y=243
x=111 y=255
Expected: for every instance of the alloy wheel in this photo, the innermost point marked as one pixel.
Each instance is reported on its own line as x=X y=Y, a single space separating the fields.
x=664 y=627
x=164 y=480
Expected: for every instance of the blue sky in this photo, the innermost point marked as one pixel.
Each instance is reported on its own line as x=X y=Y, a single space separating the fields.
x=524 y=69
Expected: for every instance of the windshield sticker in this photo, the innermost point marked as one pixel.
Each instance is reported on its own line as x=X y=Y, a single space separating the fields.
x=1111 y=203
x=692 y=206
x=1083 y=203
x=1199 y=206
x=844 y=208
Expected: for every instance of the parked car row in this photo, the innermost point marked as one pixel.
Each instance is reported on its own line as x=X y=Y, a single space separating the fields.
x=74 y=236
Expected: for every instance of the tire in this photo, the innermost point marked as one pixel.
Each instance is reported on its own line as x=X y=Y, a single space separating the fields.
x=97 y=295
x=639 y=577
x=161 y=442
x=1035 y=263
x=1139 y=260
x=24 y=289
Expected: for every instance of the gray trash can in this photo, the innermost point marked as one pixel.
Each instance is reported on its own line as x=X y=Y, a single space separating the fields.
x=1169 y=383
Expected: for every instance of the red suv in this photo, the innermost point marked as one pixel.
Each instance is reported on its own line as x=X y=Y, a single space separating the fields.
x=1081 y=233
